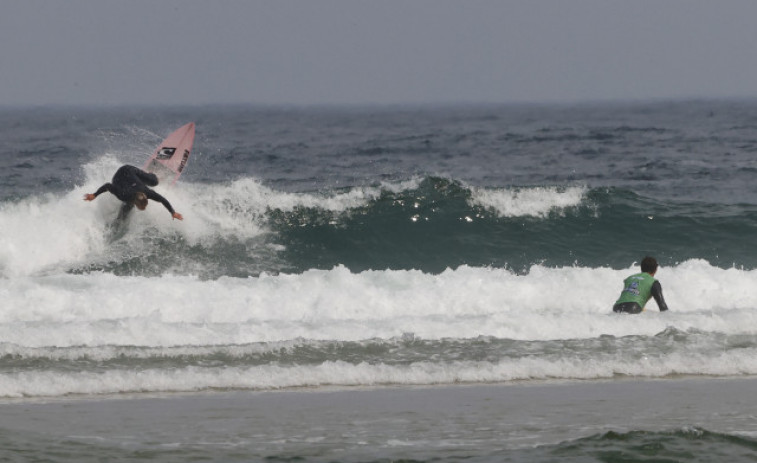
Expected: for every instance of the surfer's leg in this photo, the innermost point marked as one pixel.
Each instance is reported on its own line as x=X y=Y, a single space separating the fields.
x=627 y=307
x=148 y=178
x=152 y=181
x=124 y=212
x=118 y=227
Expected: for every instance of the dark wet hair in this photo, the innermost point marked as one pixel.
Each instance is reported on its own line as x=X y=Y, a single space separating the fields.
x=140 y=200
x=649 y=265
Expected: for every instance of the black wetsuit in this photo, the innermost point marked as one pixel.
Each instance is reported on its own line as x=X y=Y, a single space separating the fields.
x=634 y=307
x=127 y=182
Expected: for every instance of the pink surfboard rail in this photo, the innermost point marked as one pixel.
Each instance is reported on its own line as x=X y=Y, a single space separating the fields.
x=170 y=157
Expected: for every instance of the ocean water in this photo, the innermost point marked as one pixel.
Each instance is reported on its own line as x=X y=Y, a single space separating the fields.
x=395 y=247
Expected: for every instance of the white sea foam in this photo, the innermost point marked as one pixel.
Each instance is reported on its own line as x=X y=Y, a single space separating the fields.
x=40 y=234
x=341 y=373
x=48 y=233
x=48 y=313
x=102 y=317
x=533 y=201
x=562 y=303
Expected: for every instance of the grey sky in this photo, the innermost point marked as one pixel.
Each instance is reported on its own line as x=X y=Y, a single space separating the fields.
x=381 y=51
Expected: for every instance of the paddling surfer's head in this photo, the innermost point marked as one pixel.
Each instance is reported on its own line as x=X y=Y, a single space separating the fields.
x=649 y=265
x=140 y=200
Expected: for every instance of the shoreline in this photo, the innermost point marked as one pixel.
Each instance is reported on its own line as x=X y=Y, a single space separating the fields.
x=389 y=421
x=332 y=389
x=447 y=388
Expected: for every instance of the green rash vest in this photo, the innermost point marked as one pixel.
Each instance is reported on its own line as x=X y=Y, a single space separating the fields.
x=637 y=288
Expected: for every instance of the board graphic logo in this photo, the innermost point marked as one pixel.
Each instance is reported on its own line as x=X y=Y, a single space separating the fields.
x=184 y=160
x=165 y=153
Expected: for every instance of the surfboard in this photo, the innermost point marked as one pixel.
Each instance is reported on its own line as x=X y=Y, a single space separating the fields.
x=170 y=157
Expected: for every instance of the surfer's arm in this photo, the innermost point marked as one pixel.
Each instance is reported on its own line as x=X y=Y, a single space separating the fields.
x=102 y=189
x=151 y=194
x=657 y=294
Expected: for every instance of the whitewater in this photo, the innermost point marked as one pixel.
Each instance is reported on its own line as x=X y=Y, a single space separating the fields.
x=69 y=325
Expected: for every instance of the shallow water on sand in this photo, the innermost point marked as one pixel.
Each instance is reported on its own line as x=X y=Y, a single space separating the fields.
x=676 y=420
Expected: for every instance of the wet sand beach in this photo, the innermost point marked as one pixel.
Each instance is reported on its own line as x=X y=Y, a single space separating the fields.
x=447 y=422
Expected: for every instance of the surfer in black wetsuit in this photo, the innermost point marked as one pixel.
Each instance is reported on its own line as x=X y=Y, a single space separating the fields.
x=131 y=185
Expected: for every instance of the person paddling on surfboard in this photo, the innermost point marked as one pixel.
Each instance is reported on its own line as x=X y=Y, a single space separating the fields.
x=639 y=288
x=131 y=185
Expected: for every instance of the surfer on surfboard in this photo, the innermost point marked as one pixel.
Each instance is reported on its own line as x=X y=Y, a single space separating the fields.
x=639 y=288
x=132 y=186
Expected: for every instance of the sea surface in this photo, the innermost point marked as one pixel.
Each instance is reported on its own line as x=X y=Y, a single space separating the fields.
x=390 y=247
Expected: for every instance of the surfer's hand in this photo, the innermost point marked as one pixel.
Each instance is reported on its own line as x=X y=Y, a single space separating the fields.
x=176 y=215
x=89 y=197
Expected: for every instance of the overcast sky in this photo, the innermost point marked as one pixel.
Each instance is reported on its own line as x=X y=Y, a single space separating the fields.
x=381 y=51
